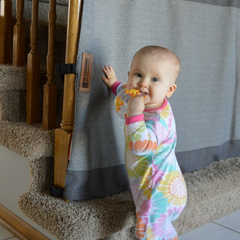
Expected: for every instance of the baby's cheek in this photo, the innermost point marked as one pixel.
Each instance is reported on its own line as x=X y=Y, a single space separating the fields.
x=129 y=85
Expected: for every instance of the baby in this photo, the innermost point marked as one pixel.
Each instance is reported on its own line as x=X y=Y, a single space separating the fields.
x=157 y=185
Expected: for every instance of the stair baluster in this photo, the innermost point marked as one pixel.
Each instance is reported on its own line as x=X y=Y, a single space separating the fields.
x=19 y=36
x=5 y=34
x=50 y=89
x=63 y=134
x=33 y=68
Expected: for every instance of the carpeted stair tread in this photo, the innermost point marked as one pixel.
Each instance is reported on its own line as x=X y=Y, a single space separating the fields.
x=212 y=193
x=92 y=219
x=29 y=141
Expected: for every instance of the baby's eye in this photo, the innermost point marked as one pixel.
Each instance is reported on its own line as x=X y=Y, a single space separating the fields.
x=138 y=75
x=154 y=79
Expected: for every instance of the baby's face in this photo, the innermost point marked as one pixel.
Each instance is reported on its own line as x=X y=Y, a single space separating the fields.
x=154 y=76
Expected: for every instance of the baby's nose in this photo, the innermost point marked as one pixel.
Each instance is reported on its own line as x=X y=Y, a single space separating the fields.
x=143 y=83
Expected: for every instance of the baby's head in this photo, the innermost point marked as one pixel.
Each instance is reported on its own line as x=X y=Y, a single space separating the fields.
x=154 y=71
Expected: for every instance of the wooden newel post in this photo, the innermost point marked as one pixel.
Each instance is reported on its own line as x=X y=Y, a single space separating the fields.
x=19 y=37
x=5 y=31
x=63 y=135
x=33 y=69
x=50 y=89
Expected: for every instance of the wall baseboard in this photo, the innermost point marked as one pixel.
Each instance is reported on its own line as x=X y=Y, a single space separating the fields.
x=19 y=227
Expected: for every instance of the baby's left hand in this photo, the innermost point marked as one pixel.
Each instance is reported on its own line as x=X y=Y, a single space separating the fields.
x=136 y=106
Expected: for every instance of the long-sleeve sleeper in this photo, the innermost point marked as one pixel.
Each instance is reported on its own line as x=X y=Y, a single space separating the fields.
x=157 y=185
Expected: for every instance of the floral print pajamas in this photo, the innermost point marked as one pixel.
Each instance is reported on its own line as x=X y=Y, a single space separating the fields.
x=157 y=185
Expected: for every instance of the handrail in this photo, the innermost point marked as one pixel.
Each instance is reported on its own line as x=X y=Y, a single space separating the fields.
x=19 y=36
x=5 y=34
x=63 y=134
x=50 y=89
x=33 y=69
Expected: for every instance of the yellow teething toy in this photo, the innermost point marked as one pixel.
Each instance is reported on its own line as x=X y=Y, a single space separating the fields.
x=122 y=99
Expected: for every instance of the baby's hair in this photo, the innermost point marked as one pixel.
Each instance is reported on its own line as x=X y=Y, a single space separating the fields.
x=163 y=53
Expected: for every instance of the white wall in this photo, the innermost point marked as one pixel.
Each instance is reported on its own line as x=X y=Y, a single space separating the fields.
x=14 y=180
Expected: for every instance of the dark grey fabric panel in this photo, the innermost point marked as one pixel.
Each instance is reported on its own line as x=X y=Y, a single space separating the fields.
x=198 y=159
x=224 y=3
x=97 y=183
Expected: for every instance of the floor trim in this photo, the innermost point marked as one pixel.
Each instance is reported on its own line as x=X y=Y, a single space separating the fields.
x=19 y=227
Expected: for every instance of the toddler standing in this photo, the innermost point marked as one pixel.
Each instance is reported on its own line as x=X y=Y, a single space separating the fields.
x=157 y=185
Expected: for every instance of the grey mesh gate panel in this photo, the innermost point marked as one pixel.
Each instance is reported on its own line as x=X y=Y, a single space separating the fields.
x=205 y=35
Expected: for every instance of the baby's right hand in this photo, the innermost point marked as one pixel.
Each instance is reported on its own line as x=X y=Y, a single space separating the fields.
x=136 y=106
x=110 y=77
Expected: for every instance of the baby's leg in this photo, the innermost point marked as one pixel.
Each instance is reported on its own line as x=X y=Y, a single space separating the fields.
x=153 y=225
x=170 y=233
x=155 y=216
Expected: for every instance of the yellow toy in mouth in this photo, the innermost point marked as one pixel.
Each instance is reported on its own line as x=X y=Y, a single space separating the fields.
x=122 y=99
x=132 y=92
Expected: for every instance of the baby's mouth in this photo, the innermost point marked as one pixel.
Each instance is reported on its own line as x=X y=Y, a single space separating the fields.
x=145 y=96
x=143 y=92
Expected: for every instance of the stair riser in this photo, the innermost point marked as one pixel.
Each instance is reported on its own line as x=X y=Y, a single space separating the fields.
x=13 y=93
x=13 y=106
x=43 y=9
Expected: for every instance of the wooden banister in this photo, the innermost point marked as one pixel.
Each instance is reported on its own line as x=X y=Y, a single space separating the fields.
x=5 y=31
x=63 y=135
x=19 y=36
x=50 y=89
x=33 y=68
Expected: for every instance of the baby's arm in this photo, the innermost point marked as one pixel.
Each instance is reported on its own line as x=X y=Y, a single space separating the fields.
x=140 y=139
x=110 y=77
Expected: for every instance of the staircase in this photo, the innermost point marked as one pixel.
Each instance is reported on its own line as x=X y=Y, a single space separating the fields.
x=212 y=192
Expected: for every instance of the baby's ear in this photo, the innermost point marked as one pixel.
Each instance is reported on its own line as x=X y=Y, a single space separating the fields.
x=128 y=73
x=171 y=90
